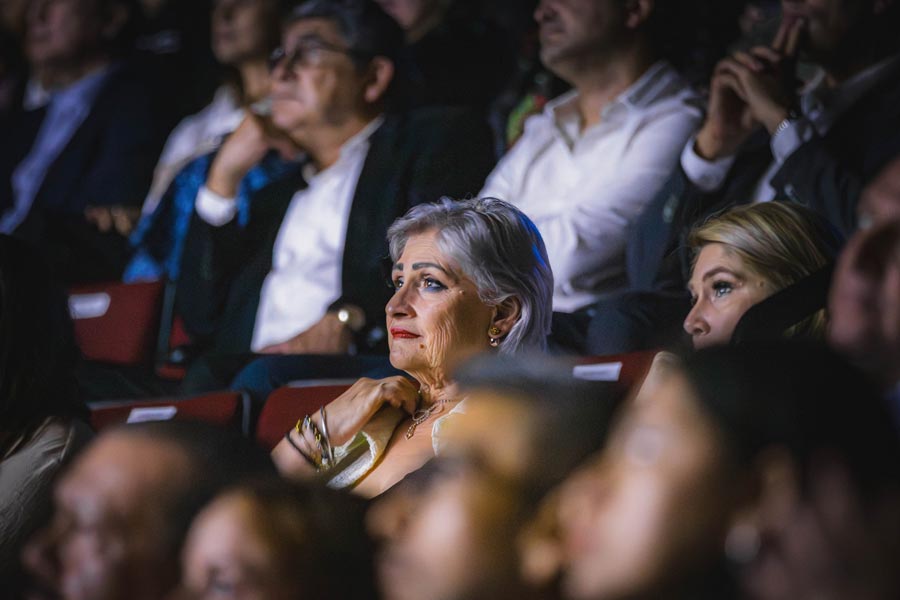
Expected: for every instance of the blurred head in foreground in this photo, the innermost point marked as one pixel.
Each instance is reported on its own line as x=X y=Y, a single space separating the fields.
x=270 y=540
x=449 y=531
x=122 y=510
x=763 y=461
x=864 y=302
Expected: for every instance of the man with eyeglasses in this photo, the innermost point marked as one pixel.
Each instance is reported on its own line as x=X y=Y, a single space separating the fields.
x=304 y=276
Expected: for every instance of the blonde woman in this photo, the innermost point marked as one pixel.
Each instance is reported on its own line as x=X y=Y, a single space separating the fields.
x=745 y=255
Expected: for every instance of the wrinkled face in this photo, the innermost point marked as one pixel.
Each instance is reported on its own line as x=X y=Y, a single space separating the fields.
x=61 y=32
x=828 y=26
x=652 y=508
x=410 y=13
x=107 y=534
x=226 y=559
x=448 y=539
x=722 y=290
x=316 y=84
x=242 y=30
x=435 y=318
x=570 y=29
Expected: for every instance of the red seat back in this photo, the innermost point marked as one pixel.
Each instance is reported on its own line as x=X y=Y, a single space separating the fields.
x=221 y=408
x=287 y=404
x=117 y=322
x=634 y=367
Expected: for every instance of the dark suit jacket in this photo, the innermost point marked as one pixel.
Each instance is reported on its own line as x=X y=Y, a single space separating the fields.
x=109 y=160
x=826 y=174
x=415 y=158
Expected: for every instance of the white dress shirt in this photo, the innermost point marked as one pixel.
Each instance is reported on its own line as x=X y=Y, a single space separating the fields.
x=584 y=189
x=820 y=107
x=307 y=258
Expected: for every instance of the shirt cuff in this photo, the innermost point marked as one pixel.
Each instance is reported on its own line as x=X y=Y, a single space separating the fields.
x=790 y=137
x=215 y=209
x=705 y=174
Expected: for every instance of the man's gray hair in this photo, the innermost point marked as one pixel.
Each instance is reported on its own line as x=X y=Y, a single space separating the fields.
x=499 y=249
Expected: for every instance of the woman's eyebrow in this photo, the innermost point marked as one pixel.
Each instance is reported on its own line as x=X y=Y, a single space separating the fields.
x=717 y=270
x=424 y=265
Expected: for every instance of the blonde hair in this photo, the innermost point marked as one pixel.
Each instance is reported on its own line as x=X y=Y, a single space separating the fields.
x=780 y=242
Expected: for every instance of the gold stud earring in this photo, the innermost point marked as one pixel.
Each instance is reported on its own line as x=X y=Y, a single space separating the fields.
x=494 y=333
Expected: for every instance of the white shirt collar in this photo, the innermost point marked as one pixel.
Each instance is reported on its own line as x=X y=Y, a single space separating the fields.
x=359 y=142
x=37 y=96
x=657 y=81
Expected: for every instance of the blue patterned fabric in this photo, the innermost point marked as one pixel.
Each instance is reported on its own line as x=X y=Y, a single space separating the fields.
x=158 y=240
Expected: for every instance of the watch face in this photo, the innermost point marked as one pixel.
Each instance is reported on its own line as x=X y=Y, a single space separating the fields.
x=353 y=318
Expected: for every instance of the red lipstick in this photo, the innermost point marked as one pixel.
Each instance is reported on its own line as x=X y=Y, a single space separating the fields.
x=396 y=332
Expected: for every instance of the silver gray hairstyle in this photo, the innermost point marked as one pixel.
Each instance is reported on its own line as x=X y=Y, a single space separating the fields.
x=499 y=249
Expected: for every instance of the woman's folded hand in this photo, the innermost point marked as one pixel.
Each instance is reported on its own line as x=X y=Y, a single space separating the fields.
x=348 y=413
x=345 y=416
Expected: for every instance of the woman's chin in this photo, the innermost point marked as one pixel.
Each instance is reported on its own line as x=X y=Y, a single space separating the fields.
x=403 y=359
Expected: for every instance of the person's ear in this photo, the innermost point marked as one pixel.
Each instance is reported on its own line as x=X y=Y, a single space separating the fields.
x=379 y=76
x=115 y=17
x=506 y=315
x=637 y=12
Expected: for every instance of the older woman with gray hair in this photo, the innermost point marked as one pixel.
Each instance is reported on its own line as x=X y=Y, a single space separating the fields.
x=469 y=277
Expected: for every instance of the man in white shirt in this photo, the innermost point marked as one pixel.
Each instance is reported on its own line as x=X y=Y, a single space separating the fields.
x=762 y=141
x=586 y=167
x=304 y=276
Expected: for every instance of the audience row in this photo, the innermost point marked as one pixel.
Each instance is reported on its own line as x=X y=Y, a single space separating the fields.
x=744 y=230
x=789 y=428
x=714 y=481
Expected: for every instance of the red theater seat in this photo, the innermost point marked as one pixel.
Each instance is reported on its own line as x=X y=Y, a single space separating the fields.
x=287 y=404
x=117 y=322
x=229 y=409
x=627 y=370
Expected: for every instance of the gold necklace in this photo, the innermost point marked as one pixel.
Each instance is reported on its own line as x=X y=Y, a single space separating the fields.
x=422 y=415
